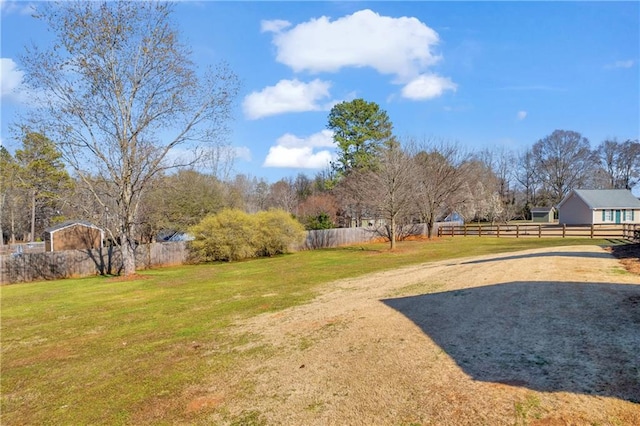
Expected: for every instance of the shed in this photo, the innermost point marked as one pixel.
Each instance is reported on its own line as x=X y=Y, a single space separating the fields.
x=599 y=206
x=73 y=235
x=543 y=214
x=454 y=216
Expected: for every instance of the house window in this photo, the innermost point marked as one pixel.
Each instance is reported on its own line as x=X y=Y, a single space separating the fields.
x=607 y=215
x=627 y=215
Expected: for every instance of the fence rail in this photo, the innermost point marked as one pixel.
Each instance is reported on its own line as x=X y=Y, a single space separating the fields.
x=25 y=266
x=629 y=232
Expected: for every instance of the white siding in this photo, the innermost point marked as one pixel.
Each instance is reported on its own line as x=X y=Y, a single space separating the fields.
x=575 y=212
x=626 y=216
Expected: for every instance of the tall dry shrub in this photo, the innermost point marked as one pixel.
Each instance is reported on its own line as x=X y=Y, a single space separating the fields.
x=277 y=232
x=234 y=234
x=228 y=235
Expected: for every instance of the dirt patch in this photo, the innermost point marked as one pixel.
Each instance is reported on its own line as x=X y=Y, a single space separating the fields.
x=629 y=255
x=544 y=337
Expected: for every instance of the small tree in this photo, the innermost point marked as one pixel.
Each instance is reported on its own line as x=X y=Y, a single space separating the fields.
x=441 y=175
x=391 y=188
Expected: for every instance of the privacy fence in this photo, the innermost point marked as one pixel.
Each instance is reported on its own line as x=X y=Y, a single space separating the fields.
x=622 y=231
x=26 y=266
x=327 y=238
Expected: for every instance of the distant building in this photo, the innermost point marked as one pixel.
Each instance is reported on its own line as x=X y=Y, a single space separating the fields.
x=543 y=214
x=599 y=206
x=454 y=217
x=73 y=235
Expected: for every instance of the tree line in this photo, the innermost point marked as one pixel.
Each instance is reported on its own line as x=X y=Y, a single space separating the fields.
x=374 y=177
x=117 y=94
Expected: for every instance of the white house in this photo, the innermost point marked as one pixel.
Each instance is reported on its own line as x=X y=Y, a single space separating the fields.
x=599 y=206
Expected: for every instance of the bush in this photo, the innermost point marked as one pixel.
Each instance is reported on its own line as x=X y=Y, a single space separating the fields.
x=321 y=221
x=228 y=235
x=233 y=235
x=277 y=232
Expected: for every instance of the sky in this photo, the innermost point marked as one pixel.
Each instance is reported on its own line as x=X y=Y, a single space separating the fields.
x=484 y=75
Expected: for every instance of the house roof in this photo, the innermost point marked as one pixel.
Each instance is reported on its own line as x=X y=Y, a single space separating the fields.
x=542 y=209
x=68 y=224
x=605 y=198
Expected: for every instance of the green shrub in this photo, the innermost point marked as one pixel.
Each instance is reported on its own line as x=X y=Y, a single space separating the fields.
x=233 y=235
x=320 y=221
x=228 y=235
x=277 y=231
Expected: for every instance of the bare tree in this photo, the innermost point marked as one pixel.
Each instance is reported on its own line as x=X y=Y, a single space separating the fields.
x=620 y=163
x=441 y=177
x=502 y=164
x=529 y=180
x=565 y=161
x=351 y=193
x=390 y=188
x=120 y=93
x=282 y=195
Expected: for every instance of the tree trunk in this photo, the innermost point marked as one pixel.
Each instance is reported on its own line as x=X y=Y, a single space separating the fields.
x=128 y=256
x=12 y=240
x=429 y=228
x=392 y=233
x=33 y=217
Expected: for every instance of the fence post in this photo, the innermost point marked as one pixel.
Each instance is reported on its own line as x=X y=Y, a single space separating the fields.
x=564 y=230
x=498 y=232
x=539 y=231
x=465 y=229
x=480 y=231
x=517 y=231
x=592 y=230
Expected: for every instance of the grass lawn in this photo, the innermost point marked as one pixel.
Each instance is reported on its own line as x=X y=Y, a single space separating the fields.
x=103 y=350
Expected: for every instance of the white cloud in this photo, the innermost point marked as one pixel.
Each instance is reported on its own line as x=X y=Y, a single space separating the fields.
x=427 y=86
x=521 y=115
x=621 y=64
x=286 y=96
x=20 y=7
x=323 y=138
x=274 y=26
x=242 y=152
x=396 y=46
x=10 y=78
x=293 y=151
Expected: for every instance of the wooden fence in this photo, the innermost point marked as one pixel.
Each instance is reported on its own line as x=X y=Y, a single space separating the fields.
x=629 y=232
x=327 y=238
x=24 y=267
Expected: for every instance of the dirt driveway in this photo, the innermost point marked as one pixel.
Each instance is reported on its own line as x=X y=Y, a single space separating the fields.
x=541 y=337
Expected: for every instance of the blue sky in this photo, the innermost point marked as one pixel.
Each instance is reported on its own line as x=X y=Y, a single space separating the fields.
x=483 y=74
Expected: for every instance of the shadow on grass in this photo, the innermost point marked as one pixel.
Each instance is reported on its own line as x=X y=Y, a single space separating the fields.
x=550 y=337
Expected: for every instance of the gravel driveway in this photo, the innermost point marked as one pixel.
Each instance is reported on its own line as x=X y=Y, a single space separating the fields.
x=540 y=337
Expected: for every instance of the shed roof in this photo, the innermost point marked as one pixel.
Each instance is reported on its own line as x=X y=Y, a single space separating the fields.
x=606 y=198
x=68 y=224
x=542 y=209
